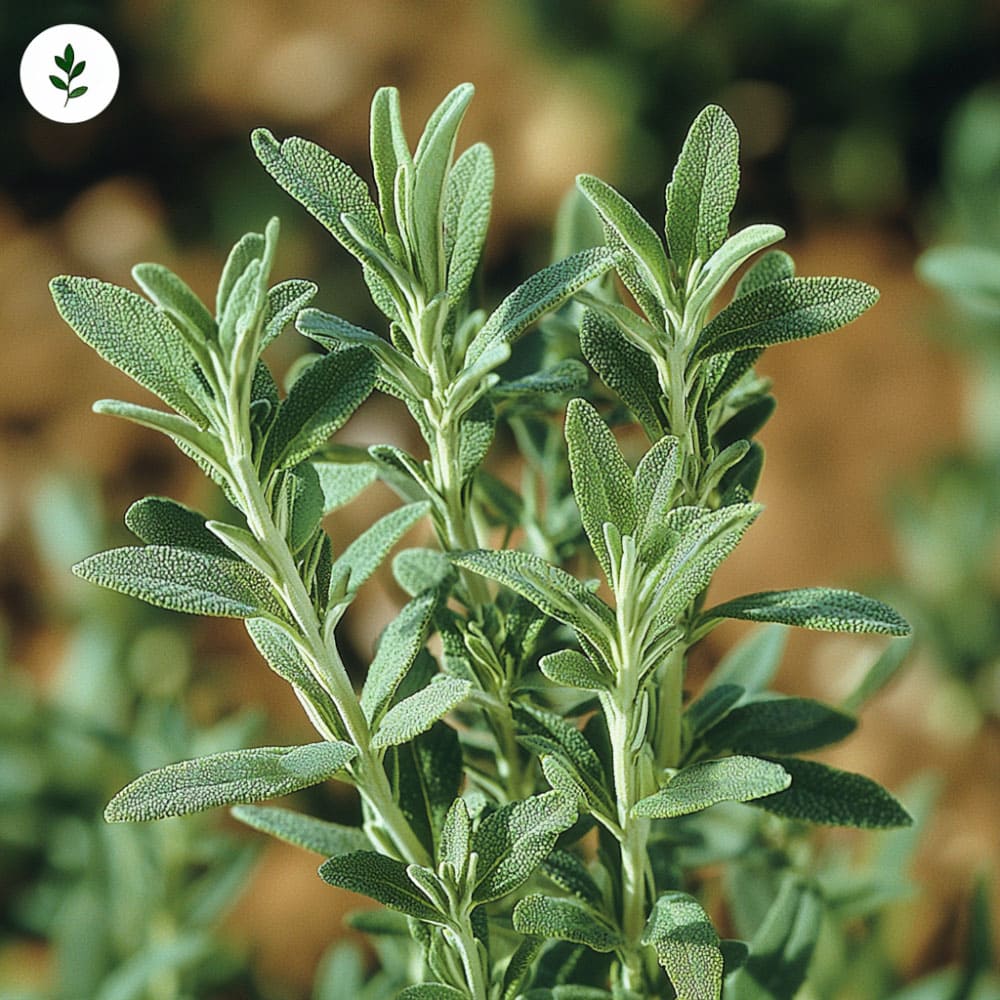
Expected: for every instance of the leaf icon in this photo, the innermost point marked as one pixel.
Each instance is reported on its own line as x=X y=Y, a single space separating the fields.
x=77 y=69
x=56 y=82
x=68 y=55
x=64 y=66
x=78 y=92
x=66 y=63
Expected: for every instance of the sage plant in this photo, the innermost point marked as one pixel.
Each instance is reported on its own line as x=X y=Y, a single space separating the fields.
x=528 y=790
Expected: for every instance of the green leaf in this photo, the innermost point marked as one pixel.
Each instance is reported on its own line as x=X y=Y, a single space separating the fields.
x=426 y=775
x=250 y=247
x=656 y=480
x=571 y=668
x=418 y=570
x=176 y=299
x=431 y=162
x=878 y=675
x=380 y=878
x=567 y=376
x=456 y=837
x=732 y=779
x=570 y=873
x=564 y=920
x=134 y=336
x=703 y=190
x=625 y=369
x=822 y=794
x=319 y=403
x=686 y=945
x=714 y=704
x=475 y=436
x=785 y=310
x=515 y=839
x=228 y=778
x=775 y=265
x=783 y=945
x=541 y=293
x=388 y=152
x=520 y=967
x=431 y=991
x=58 y=82
x=62 y=63
x=753 y=663
x=602 y=479
x=549 y=588
x=467 y=204
x=325 y=186
x=77 y=70
x=69 y=56
x=317 y=835
x=779 y=726
x=420 y=711
x=341 y=482
x=284 y=302
x=821 y=608
x=402 y=639
x=646 y=259
x=162 y=521
x=183 y=580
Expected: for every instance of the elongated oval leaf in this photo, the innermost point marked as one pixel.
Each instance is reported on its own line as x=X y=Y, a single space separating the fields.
x=823 y=794
x=572 y=669
x=319 y=403
x=341 y=482
x=162 y=521
x=284 y=302
x=775 y=265
x=686 y=945
x=467 y=204
x=380 y=878
x=317 y=835
x=416 y=714
x=785 y=310
x=541 y=293
x=185 y=580
x=564 y=920
x=703 y=189
x=133 y=335
x=780 y=725
x=431 y=991
x=175 y=298
x=820 y=608
x=225 y=779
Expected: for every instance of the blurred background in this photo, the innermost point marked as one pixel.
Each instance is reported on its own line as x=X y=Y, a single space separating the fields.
x=870 y=131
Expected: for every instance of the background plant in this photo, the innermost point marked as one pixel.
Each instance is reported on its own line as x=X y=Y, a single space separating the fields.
x=525 y=665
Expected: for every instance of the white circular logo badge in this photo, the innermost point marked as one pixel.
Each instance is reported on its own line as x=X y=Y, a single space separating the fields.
x=69 y=73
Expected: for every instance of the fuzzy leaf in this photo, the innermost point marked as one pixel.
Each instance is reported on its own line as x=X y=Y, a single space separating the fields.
x=475 y=436
x=785 y=310
x=417 y=570
x=515 y=839
x=549 y=588
x=467 y=204
x=380 y=878
x=572 y=669
x=365 y=554
x=567 y=376
x=564 y=920
x=420 y=711
x=821 y=608
x=541 y=293
x=402 y=639
x=625 y=369
x=456 y=834
x=686 y=945
x=714 y=704
x=162 y=521
x=183 y=580
x=342 y=482
x=431 y=991
x=228 y=778
x=722 y=265
x=602 y=479
x=775 y=265
x=134 y=336
x=630 y=230
x=656 y=479
x=176 y=299
x=822 y=794
x=389 y=152
x=703 y=189
x=319 y=403
x=317 y=835
x=779 y=726
x=732 y=779
x=325 y=186
x=284 y=301
x=570 y=873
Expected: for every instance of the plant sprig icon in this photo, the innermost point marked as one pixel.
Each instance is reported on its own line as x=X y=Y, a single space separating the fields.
x=72 y=70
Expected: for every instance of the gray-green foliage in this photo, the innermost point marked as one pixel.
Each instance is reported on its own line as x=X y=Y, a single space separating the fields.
x=547 y=709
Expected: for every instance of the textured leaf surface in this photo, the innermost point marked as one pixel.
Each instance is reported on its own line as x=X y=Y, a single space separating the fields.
x=229 y=778
x=514 y=840
x=162 y=521
x=417 y=570
x=776 y=265
x=564 y=920
x=823 y=794
x=468 y=200
x=821 y=608
x=183 y=580
x=602 y=479
x=319 y=403
x=538 y=295
x=780 y=725
x=572 y=669
x=686 y=945
x=284 y=658
x=380 y=878
x=703 y=189
x=134 y=336
x=786 y=310
x=420 y=711
x=567 y=376
x=317 y=835
x=431 y=991
x=732 y=779
x=175 y=298
x=284 y=301
x=342 y=482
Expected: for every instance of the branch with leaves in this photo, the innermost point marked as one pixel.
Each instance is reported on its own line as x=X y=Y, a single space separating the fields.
x=72 y=69
x=549 y=712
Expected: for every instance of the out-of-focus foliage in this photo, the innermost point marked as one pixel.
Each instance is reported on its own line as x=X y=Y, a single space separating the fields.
x=88 y=909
